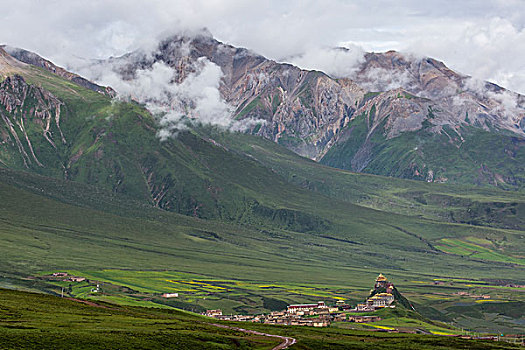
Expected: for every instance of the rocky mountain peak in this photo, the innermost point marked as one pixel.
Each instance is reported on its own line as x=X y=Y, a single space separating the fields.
x=31 y=58
x=426 y=77
x=8 y=64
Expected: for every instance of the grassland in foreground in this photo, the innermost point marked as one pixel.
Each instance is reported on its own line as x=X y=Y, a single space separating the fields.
x=35 y=321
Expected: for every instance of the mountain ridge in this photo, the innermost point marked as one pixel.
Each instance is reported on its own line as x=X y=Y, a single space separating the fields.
x=336 y=121
x=311 y=113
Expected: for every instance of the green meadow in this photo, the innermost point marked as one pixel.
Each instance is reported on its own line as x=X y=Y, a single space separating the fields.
x=36 y=321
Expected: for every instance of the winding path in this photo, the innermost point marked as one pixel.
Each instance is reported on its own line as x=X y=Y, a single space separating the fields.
x=286 y=341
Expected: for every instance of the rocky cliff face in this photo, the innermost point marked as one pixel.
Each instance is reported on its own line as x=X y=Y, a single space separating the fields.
x=303 y=110
x=27 y=109
x=455 y=99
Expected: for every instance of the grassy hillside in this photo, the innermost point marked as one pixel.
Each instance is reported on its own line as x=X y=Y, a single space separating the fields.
x=473 y=205
x=35 y=321
x=468 y=155
x=30 y=321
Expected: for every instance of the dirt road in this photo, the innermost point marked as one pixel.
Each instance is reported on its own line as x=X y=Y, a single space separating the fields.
x=285 y=344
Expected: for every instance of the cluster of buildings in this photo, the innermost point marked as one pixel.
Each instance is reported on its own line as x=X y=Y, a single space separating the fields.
x=67 y=277
x=321 y=315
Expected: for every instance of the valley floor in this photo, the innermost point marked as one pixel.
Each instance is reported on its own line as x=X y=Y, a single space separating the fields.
x=484 y=306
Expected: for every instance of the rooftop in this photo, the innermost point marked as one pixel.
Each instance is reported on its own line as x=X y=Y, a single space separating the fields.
x=381 y=278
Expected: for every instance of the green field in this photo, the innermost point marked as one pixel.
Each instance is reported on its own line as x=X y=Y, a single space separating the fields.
x=468 y=248
x=233 y=296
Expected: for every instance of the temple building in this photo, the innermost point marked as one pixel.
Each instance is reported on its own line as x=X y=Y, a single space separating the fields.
x=381 y=281
x=380 y=300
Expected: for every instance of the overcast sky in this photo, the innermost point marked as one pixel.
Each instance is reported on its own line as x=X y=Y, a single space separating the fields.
x=485 y=39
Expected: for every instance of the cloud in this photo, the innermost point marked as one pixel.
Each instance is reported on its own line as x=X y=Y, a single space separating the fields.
x=380 y=79
x=337 y=62
x=177 y=106
x=488 y=49
x=494 y=102
x=484 y=39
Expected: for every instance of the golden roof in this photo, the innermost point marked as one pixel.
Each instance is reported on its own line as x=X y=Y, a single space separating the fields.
x=381 y=278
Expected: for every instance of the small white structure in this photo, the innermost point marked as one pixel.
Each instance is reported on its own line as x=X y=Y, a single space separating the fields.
x=170 y=295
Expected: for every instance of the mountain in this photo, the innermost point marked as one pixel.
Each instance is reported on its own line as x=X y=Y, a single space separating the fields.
x=397 y=115
x=440 y=126
x=303 y=110
x=35 y=60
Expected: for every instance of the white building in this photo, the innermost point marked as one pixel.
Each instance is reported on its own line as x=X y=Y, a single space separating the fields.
x=302 y=308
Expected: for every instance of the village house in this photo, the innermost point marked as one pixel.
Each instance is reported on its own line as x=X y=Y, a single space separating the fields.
x=321 y=324
x=363 y=308
x=278 y=313
x=76 y=279
x=332 y=310
x=237 y=318
x=363 y=319
x=302 y=309
x=214 y=313
x=339 y=318
x=170 y=295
